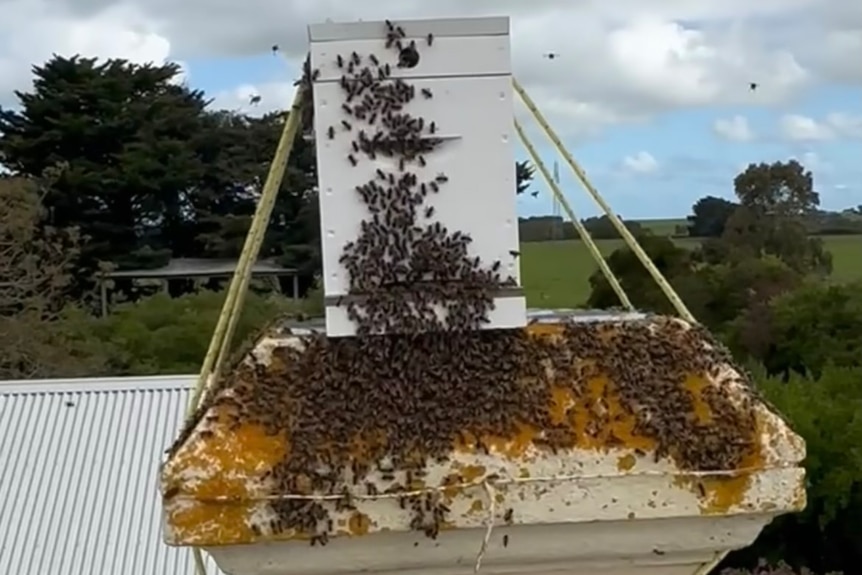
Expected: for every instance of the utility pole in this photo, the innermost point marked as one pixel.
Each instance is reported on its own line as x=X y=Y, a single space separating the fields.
x=557 y=210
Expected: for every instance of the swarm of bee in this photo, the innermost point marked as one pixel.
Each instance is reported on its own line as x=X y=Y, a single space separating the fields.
x=408 y=273
x=353 y=411
x=428 y=383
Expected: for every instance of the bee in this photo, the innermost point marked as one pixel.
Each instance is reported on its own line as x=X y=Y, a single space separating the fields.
x=430 y=39
x=506 y=540
x=380 y=174
x=315 y=74
x=496 y=266
x=389 y=26
x=331 y=132
x=355 y=146
x=352 y=160
x=442 y=178
x=347 y=125
x=434 y=186
x=339 y=61
x=509 y=515
x=401 y=164
x=429 y=211
x=427 y=93
x=374 y=59
x=514 y=253
x=372 y=118
x=421 y=160
x=432 y=127
x=355 y=59
x=400 y=31
x=387 y=69
x=347 y=109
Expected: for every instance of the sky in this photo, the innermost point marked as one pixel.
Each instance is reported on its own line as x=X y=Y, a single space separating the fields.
x=652 y=97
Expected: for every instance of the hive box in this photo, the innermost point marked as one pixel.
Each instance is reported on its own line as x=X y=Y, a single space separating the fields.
x=610 y=504
x=468 y=70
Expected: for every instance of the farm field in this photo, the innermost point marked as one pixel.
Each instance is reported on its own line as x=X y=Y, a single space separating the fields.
x=556 y=274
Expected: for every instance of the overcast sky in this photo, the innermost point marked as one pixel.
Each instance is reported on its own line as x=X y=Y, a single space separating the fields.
x=652 y=96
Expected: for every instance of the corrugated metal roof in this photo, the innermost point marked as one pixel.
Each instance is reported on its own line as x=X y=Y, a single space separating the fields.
x=78 y=476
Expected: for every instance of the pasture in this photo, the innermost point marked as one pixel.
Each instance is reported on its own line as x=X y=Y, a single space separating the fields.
x=556 y=274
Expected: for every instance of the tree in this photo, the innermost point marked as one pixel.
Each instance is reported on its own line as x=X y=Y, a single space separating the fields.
x=775 y=202
x=36 y=265
x=126 y=135
x=524 y=172
x=811 y=327
x=601 y=228
x=673 y=261
x=778 y=189
x=151 y=173
x=709 y=216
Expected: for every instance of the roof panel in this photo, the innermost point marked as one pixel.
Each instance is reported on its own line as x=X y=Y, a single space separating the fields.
x=78 y=483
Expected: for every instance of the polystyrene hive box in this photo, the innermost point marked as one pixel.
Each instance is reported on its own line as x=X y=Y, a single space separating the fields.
x=463 y=84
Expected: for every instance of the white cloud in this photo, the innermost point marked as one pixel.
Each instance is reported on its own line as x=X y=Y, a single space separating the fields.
x=641 y=163
x=847 y=125
x=735 y=129
x=800 y=128
x=620 y=61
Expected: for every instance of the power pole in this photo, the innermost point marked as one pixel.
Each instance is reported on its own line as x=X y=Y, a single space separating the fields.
x=557 y=210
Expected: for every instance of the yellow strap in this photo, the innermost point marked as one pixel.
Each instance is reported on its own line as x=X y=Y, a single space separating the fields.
x=579 y=226
x=219 y=347
x=627 y=236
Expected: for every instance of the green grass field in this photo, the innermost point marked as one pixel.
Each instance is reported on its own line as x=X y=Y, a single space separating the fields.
x=555 y=274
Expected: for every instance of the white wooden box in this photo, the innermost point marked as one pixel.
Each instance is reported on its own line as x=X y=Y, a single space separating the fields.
x=467 y=69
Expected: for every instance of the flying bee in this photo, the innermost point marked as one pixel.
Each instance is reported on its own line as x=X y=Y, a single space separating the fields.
x=427 y=93
x=352 y=160
x=331 y=132
x=347 y=125
x=442 y=178
x=430 y=39
x=514 y=253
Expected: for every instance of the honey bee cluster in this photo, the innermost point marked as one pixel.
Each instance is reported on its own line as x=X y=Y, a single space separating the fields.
x=368 y=419
x=408 y=272
x=367 y=414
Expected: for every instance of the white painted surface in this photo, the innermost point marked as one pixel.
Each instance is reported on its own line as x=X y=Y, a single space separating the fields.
x=659 y=547
x=472 y=108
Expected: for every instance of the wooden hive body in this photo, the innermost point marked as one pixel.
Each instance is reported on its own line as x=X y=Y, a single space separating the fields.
x=623 y=444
